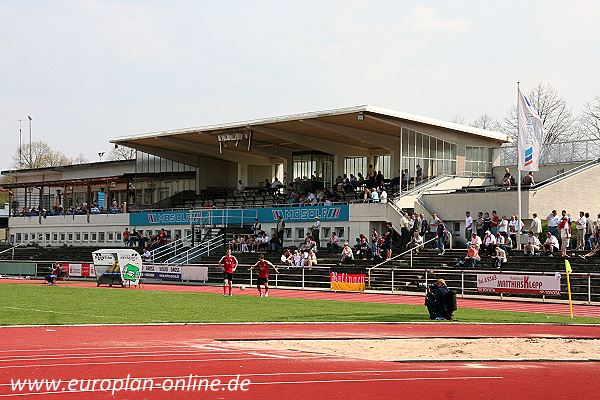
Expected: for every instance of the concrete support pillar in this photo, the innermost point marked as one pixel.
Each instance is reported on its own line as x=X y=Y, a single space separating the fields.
x=242 y=173
x=338 y=165
x=395 y=163
x=198 y=180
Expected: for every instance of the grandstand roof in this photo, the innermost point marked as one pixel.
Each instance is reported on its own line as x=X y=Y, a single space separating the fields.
x=353 y=130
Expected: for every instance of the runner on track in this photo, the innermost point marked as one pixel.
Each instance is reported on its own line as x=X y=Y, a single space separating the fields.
x=229 y=264
x=263 y=274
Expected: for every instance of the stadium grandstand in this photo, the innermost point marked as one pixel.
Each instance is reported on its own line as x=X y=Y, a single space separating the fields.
x=308 y=181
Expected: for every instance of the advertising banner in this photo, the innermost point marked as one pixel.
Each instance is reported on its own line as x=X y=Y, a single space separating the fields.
x=348 y=279
x=522 y=284
x=79 y=270
x=247 y=216
x=162 y=272
x=116 y=266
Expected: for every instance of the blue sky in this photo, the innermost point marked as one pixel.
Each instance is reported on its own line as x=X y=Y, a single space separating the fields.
x=87 y=71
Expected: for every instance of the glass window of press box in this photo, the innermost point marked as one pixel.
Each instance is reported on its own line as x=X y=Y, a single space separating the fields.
x=313 y=166
x=425 y=157
x=478 y=161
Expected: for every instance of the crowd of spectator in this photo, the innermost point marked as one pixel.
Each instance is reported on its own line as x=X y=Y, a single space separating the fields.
x=76 y=209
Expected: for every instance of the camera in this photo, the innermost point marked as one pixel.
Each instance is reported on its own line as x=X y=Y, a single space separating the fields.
x=428 y=286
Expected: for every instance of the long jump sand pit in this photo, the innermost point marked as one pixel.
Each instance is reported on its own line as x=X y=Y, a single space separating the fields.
x=437 y=349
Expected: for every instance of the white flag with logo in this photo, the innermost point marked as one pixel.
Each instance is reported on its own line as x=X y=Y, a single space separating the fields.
x=531 y=134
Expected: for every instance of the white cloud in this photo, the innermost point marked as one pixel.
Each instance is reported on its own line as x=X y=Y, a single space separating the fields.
x=425 y=19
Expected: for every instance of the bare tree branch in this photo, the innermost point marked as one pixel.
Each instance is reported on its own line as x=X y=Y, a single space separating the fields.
x=557 y=118
x=487 y=122
x=122 y=153
x=590 y=119
x=42 y=156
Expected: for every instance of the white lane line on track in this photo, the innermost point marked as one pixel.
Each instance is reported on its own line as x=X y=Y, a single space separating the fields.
x=150 y=362
x=268 y=355
x=462 y=378
x=361 y=372
x=94 y=348
x=161 y=354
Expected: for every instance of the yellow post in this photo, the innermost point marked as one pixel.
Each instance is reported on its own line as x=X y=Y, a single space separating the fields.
x=569 y=270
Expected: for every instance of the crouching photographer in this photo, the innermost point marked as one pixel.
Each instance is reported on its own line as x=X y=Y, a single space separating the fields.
x=440 y=301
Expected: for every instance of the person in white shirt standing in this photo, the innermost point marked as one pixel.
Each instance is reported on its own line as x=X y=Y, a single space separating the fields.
x=581 y=226
x=383 y=196
x=536 y=226
x=503 y=225
x=468 y=226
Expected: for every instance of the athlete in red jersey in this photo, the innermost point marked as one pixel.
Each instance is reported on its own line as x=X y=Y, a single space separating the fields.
x=229 y=263
x=263 y=274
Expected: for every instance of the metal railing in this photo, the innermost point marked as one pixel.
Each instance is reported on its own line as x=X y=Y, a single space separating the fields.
x=202 y=249
x=585 y=287
x=565 y=174
x=169 y=248
x=557 y=153
x=13 y=249
x=397 y=256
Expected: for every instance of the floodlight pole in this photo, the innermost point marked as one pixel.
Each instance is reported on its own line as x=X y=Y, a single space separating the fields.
x=519 y=174
x=30 y=157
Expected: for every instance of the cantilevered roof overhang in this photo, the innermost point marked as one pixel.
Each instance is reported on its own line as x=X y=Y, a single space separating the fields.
x=360 y=130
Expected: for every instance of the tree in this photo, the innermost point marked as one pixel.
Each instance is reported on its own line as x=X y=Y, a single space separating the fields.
x=590 y=119
x=38 y=154
x=80 y=159
x=458 y=119
x=487 y=122
x=556 y=115
x=122 y=153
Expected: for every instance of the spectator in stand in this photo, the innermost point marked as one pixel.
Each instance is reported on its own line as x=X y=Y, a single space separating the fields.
x=404 y=230
x=374 y=239
x=383 y=197
x=256 y=227
x=240 y=186
x=125 y=237
x=274 y=244
x=162 y=237
x=387 y=244
x=470 y=259
x=597 y=225
x=565 y=235
x=507 y=179
x=347 y=254
x=146 y=256
x=134 y=239
x=487 y=222
x=311 y=260
x=550 y=244
x=503 y=225
x=334 y=243
x=297 y=259
x=424 y=227
x=475 y=241
x=495 y=221
x=316 y=231
x=479 y=227
x=234 y=244
x=441 y=235
x=287 y=258
x=536 y=226
x=553 y=221
x=488 y=243
x=533 y=243
x=416 y=242
x=589 y=232
x=364 y=250
x=528 y=179
x=581 y=225
x=499 y=257
x=374 y=195
x=513 y=229
x=593 y=251
x=503 y=240
x=280 y=229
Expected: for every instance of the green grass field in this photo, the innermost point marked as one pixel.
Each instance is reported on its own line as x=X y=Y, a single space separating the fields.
x=29 y=305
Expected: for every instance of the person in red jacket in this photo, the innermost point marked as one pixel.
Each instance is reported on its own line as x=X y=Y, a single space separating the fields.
x=229 y=264
x=263 y=274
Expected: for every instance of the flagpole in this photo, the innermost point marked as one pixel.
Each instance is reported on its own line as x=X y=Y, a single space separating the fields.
x=519 y=174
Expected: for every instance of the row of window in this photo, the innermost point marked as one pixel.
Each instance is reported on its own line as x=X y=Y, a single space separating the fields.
x=117 y=237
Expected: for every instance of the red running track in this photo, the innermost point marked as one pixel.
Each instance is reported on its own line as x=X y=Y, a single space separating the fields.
x=491 y=304
x=162 y=354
